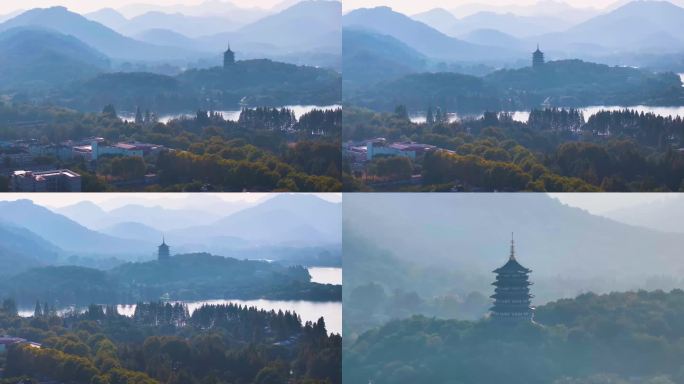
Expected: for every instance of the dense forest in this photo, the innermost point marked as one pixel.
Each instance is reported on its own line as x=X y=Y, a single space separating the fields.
x=256 y=82
x=164 y=343
x=564 y=83
x=617 y=338
x=555 y=150
x=266 y=149
x=182 y=277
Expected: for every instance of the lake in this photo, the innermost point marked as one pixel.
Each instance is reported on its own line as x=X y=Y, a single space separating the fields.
x=307 y=310
x=325 y=275
x=233 y=115
x=522 y=116
x=590 y=111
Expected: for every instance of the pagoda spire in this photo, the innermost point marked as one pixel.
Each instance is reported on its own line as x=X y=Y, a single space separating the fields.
x=512 y=256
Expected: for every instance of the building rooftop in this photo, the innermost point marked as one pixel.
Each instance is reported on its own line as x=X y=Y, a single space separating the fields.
x=39 y=175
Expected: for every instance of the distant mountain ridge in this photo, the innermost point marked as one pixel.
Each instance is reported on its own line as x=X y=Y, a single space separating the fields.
x=284 y=219
x=94 y=34
x=630 y=27
x=422 y=37
x=305 y=33
x=370 y=57
x=21 y=249
x=310 y=25
x=664 y=215
x=37 y=58
x=634 y=33
x=291 y=228
x=473 y=231
x=65 y=233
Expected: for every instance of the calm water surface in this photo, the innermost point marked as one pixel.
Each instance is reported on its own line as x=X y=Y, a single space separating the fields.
x=307 y=310
x=325 y=275
x=234 y=115
x=522 y=116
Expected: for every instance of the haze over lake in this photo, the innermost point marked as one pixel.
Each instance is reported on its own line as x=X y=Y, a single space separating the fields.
x=522 y=116
x=234 y=115
x=325 y=275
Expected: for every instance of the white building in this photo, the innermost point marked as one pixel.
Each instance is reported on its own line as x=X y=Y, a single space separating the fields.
x=58 y=180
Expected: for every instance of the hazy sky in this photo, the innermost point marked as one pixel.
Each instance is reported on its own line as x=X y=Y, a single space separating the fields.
x=599 y=203
x=7 y=6
x=113 y=200
x=413 y=6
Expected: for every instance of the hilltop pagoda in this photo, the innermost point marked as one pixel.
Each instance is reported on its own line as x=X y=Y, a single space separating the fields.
x=228 y=58
x=537 y=58
x=512 y=293
x=163 y=252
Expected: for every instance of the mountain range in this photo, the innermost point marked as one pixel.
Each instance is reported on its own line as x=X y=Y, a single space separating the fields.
x=421 y=37
x=630 y=32
x=33 y=235
x=660 y=215
x=306 y=33
x=39 y=59
x=101 y=38
x=569 y=249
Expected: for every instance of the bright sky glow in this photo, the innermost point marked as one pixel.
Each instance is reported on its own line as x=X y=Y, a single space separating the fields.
x=113 y=200
x=601 y=203
x=84 y=6
x=411 y=6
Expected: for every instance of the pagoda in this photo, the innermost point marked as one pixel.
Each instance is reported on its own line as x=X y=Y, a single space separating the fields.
x=228 y=58
x=537 y=58
x=512 y=293
x=164 y=252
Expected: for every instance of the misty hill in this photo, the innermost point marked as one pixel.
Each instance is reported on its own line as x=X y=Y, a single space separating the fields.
x=565 y=83
x=418 y=91
x=539 y=8
x=577 y=83
x=258 y=82
x=65 y=233
x=85 y=212
x=160 y=218
x=266 y=82
x=108 y=17
x=313 y=23
x=635 y=26
x=192 y=26
x=509 y=23
x=94 y=34
x=371 y=57
x=438 y=18
x=64 y=285
x=421 y=37
x=307 y=26
x=298 y=219
x=133 y=230
x=626 y=337
x=166 y=37
x=494 y=38
x=568 y=249
x=20 y=249
x=216 y=8
x=663 y=215
x=183 y=277
x=37 y=58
